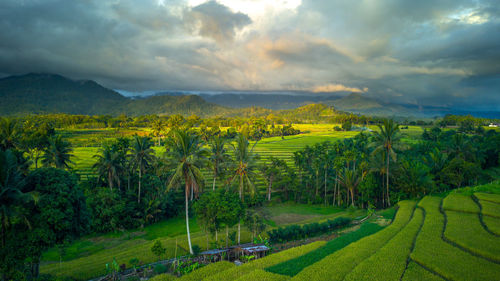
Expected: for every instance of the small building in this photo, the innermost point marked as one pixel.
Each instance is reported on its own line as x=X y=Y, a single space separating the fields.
x=214 y=255
x=249 y=249
x=493 y=125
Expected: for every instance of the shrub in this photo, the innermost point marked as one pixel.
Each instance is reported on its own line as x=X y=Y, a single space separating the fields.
x=157 y=249
x=196 y=249
x=160 y=268
x=340 y=263
x=296 y=232
x=294 y=266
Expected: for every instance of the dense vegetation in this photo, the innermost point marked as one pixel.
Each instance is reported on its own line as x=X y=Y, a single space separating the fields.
x=143 y=179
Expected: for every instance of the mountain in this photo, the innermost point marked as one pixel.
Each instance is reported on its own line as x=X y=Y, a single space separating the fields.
x=52 y=93
x=43 y=93
x=361 y=104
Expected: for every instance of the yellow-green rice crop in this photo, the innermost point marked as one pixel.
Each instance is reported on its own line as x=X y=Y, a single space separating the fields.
x=261 y=275
x=208 y=270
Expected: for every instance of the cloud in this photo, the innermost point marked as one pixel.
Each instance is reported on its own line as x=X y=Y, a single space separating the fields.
x=215 y=21
x=337 y=88
x=423 y=52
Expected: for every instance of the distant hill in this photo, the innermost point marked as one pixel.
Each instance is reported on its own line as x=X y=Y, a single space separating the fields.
x=49 y=93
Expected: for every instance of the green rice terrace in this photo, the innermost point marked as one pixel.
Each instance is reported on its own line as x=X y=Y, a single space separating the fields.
x=454 y=237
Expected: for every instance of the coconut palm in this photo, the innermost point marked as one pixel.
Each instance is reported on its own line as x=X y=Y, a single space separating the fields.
x=219 y=157
x=109 y=165
x=58 y=153
x=9 y=133
x=350 y=179
x=244 y=169
x=386 y=139
x=157 y=128
x=11 y=184
x=142 y=155
x=186 y=152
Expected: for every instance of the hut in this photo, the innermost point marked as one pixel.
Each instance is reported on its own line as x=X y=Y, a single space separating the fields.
x=249 y=249
x=214 y=255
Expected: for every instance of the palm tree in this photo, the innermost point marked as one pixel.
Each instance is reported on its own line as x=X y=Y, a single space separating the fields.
x=58 y=153
x=157 y=128
x=245 y=166
x=110 y=165
x=186 y=152
x=142 y=156
x=11 y=184
x=219 y=156
x=350 y=179
x=9 y=133
x=386 y=139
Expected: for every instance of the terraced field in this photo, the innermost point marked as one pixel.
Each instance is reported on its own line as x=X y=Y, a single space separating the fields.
x=451 y=238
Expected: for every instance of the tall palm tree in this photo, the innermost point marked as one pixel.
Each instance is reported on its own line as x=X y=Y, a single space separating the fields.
x=386 y=139
x=245 y=167
x=58 y=153
x=219 y=157
x=350 y=179
x=11 y=184
x=109 y=165
x=142 y=155
x=186 y=151
x=9 y=133
x=157 y=127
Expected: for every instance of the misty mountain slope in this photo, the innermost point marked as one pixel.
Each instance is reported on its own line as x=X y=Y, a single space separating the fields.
x=43 y=93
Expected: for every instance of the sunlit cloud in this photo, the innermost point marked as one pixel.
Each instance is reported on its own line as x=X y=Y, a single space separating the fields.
x=337 y=88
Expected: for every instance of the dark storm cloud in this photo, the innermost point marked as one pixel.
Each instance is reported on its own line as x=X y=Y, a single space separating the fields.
x=424 y=52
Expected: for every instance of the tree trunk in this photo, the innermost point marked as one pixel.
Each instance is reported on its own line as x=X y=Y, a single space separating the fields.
x=326 y=174
x=213 y=186
x=242 y=199
x=110 y=181
x=227 y=236
x=269 y=188
x=139 y=192
x=334 y=190
x=317 y=184
x=187 y=217
x=387 y=181
x=239 y=229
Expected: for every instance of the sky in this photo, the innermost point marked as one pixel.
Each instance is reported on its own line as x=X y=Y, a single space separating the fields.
x=440 y=53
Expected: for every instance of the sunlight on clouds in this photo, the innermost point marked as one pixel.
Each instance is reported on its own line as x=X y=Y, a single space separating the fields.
x=338 y=88
x=469 y=16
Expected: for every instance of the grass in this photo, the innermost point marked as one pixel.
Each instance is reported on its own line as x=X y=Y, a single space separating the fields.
x=262 y=275
x=337 y=265
x=389 y=263
x=490 y=209
x=495 y=198
x=490 y=188
x=493 y=224
x=443 y=258
x=465 y=230
x=294 y=266
x=208 y=270
x=460 y=203
x=237 y=272
x=415 y=272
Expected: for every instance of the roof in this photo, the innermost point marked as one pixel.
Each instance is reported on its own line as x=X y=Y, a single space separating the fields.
x=213 y=252
x=260 y=248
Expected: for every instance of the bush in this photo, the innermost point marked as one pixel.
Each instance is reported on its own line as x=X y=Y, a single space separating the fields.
x=296 y=232
x=160 y=268
x=196 y=249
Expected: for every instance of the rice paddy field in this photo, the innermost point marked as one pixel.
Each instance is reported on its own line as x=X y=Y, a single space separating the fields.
x=435 y=238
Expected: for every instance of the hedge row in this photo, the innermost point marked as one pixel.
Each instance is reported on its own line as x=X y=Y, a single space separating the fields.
x=415 y=272
x=389 y=263
x=493 y=224
x=296 y=232
x=460 y=203
x=488 y=197
x=490 y=209
x=262 y=275
x=466 y=230
x=441 y=257
x=208 y=270
x=235 y=273
x=294 y=266
x=337 y=265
